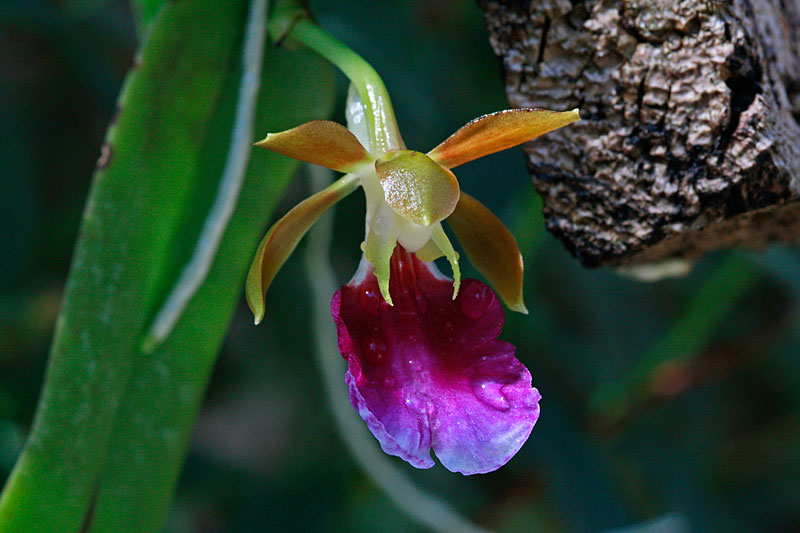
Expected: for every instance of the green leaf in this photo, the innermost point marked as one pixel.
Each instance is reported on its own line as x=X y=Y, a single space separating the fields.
x=144 y=175
x=112 y=424
x=157 y=416
x=144 y=13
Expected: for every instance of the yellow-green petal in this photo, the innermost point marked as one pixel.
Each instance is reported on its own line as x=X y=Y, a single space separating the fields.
x=378 y=249
x=282 y=238
x=417 y=187
x=491 y=248
x=439 y=237
x=498 y=131
x=321 y=142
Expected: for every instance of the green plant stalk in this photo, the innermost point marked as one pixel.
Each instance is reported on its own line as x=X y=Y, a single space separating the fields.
x=382 y=129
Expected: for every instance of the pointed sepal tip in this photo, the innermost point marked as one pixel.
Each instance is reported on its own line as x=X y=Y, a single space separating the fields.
x=491 y=248
x=282 y=238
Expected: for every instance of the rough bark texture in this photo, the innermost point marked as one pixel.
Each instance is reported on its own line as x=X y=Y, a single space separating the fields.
x=691 y=133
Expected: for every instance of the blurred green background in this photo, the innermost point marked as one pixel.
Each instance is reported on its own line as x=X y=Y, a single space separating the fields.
x=678 y=400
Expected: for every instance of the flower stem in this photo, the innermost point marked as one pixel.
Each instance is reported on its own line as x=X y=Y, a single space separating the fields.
x=292 y=21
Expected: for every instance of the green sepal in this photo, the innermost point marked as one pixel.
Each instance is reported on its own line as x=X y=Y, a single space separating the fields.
x=439 y=238
x=378 y=249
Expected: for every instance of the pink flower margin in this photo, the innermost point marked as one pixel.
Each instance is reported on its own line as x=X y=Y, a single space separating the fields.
x=429 y=371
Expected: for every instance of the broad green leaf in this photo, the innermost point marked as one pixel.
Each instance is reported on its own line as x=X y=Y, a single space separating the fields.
x=144 y=13
x=141 y=189
x=155 y=421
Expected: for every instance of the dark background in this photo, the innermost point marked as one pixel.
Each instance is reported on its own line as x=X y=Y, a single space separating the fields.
x=710 y=442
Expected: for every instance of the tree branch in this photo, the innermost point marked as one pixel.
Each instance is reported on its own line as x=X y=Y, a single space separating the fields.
x=691 y=137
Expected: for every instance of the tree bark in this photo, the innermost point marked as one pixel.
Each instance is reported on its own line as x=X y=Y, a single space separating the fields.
x=691 y=134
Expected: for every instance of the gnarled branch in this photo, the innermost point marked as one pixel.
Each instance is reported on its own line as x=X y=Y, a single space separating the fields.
x=691 y=137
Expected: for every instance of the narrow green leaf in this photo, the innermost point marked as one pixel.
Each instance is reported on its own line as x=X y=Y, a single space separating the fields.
x=139 y=194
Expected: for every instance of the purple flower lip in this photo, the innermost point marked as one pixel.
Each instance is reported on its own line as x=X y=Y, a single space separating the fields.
x=429 y=372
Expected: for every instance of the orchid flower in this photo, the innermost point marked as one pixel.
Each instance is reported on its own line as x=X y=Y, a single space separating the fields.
x=425 y=368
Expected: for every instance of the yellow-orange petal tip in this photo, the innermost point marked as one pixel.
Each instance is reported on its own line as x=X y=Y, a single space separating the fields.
x=519 y=307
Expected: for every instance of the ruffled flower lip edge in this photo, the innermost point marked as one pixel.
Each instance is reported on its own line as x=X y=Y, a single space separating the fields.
x=429 y=372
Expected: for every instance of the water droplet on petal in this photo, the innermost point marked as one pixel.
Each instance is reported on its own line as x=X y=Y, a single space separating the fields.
x=491 y=393
x=370 y=300
x=373 y=347
x=474 y=300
